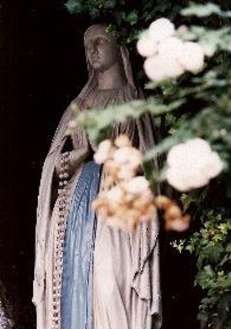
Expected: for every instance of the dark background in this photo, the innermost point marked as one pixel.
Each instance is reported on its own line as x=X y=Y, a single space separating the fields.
x=42 y=67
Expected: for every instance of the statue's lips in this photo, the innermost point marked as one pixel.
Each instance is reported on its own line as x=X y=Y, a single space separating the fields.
x=95 y=60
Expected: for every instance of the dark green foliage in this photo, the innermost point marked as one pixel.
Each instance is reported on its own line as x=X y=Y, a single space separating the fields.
x=212 y=247
x=125 y=17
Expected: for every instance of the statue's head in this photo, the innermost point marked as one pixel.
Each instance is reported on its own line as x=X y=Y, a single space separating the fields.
x=102 y=50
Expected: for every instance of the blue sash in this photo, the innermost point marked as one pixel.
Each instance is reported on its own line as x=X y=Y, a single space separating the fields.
x=76 y=299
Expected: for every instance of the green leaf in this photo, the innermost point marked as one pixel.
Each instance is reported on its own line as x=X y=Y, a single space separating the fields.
x=96 y=121
x=201 y=10
x=132 y=17
x=74 y=6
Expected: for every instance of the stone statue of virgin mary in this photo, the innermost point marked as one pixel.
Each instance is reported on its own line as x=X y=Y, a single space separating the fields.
x=89 y=275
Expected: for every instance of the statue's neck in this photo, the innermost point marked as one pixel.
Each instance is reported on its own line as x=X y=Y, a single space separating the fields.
x=113 y=78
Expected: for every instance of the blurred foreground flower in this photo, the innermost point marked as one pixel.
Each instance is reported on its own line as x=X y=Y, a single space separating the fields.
x=121 y=160
x=192 y=165
x=145 y=46
x=127 y=204
x=127 y=200
x=131 y=203
x=161 y=29
x=174 y=219
x=104 y=151
x=167 y=55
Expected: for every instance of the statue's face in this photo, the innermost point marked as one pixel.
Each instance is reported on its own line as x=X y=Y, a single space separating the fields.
x=102 y=52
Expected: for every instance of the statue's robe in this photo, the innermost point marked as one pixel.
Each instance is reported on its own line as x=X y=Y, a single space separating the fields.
x=125 y=275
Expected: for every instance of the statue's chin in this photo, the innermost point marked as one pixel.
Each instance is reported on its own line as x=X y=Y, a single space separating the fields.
x=100 y=67
x=97 y=65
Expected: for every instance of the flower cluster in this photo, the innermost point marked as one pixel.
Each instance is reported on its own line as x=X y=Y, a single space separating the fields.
x=120 y=159
x=167 y=56
x=126 y=204
x=192 y=164
x=128 y=199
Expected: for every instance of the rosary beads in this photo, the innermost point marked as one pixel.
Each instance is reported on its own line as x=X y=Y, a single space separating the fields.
x=59 y=238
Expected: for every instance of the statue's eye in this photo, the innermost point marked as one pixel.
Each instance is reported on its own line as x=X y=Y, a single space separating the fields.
x=101 y=41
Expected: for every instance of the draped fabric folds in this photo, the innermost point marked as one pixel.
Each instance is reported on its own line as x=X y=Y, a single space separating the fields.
x=128 y=262
x=76 y=307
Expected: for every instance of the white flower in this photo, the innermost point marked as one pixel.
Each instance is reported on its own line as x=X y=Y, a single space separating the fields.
x=126 y=172
x=162 y=67
x=192 y=165
x=115 y=194
x=192 y=57
x=137 y=185
x=154 y=69
x=168 y=56
x=128 y=156
x=146 y=46
x=216 y=167
x=171 y=47
x=122 y=141
x=103 y=151
x=161 y=28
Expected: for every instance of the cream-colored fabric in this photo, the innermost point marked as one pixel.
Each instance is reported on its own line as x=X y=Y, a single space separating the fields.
x=124 y=296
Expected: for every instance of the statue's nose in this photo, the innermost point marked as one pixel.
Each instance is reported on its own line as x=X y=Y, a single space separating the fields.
x=90 y=49
x=93 y=50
